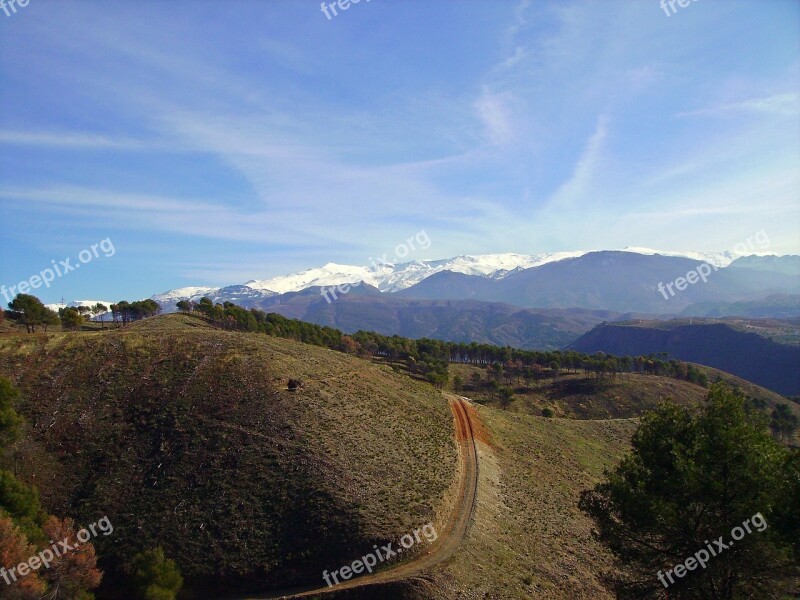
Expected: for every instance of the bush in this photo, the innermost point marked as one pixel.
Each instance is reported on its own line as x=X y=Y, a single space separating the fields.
x=547 y=412
x=10 y=421
x=155 y=576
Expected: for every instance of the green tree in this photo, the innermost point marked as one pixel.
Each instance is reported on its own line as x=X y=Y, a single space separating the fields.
x=10 y=421
x=155 y=576
x=693 y=478
x=783 y=422
x=30 y=311
x=50 y=318
x=21 y=502
x=185 y=306
x=555 y=367
x=17 y=500
x=458 y=383
x=506 y=397
x=205 y=306
x=71 y=318
x=476 y=380
x=99 y=310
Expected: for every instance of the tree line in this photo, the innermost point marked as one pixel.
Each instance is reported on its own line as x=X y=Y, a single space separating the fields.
x=429 y=358
x=29 y=311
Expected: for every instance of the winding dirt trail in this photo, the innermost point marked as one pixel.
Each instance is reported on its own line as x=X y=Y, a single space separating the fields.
x=447 y=541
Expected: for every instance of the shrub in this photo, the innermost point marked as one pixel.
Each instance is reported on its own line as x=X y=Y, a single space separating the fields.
x=155 y=576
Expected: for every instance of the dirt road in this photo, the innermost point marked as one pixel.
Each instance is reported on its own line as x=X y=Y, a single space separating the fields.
x=448 y=539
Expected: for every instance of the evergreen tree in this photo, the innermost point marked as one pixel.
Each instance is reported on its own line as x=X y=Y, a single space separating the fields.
x=155 y=576
x=690 y=479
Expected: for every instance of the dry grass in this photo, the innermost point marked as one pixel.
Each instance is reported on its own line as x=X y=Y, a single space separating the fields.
x=628 y=395
x=529 y=539
x=187 y=437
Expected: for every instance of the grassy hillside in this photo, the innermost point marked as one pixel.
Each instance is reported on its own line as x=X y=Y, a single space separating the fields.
x=529 y=524
x=529 y=540
x=187 y=437
x=583 y=396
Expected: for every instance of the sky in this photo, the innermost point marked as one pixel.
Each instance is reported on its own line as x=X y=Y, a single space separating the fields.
x=214 y=142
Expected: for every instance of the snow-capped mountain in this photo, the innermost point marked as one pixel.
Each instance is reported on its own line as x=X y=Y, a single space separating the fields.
x=76 y=303
x=185 y=292
x=388 y=277
x=720 y=259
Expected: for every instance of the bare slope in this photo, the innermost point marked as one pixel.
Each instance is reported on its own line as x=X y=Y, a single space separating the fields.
x=401 y=576
x=188 y=438
x=528 y=538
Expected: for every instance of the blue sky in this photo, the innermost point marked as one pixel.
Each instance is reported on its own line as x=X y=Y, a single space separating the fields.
x=216 y=142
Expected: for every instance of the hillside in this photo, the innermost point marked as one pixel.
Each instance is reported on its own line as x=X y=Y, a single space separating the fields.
x=528 y=539
x=365 y=308
x=624 y=396
x=187 y=437
x=725 y=346
x=579 y=396
x=456 y=320
x=777 y=306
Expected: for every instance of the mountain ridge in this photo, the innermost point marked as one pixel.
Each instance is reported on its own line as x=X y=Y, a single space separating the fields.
x=395 y=277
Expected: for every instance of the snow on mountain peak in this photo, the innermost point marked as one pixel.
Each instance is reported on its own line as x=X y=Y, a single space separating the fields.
x=719 y=259
x=389 y=277
x=76 y=303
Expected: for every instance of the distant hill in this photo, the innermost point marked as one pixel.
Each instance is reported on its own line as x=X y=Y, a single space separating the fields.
x=777 y=306
x=788 y=265
x=616 y=281
x=365 y=308
x=736 y=347
x=450 y=320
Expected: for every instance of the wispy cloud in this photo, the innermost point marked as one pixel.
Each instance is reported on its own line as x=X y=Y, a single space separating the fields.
x=777 y=104
x=495 y=112
x=531 y=126
x=72 y=140
x=579 y=186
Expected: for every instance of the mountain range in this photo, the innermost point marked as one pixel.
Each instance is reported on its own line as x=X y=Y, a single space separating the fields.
x=388 y=277
x=541 y=301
